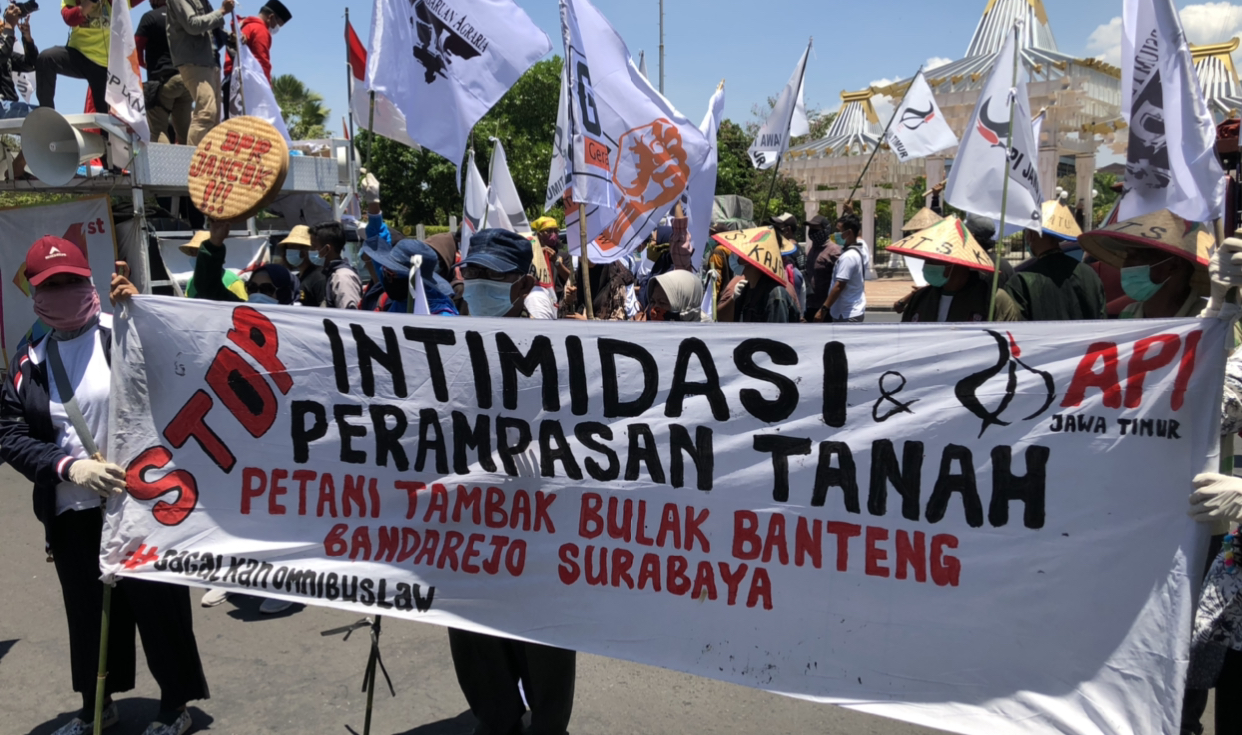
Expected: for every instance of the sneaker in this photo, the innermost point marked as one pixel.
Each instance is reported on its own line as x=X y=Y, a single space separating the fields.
x=78 y=726
x=271 y=606
x=179 y=726
x=213 y=597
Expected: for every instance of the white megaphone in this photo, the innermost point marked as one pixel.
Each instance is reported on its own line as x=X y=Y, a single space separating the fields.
x=54 y=149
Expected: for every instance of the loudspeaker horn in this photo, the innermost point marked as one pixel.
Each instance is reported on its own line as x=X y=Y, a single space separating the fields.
x=54 y=149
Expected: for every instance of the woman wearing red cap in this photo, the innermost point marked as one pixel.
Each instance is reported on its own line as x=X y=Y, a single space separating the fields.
x=53 y=426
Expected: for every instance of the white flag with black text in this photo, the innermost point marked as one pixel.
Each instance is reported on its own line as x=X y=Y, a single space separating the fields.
x=1171 y=158
x=988 y=153
x=788 y=119
x=919 y=128
x=445 y=63
x=124 y=97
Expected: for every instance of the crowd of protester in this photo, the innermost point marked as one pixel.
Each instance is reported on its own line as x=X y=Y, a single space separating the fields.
x=57 y=393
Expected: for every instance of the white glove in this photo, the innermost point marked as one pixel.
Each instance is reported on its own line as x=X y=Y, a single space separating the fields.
x=1226 y=272
x=103 y=478
x=369 y=188
x=1217 y=497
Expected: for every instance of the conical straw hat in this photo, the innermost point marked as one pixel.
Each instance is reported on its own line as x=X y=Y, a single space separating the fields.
x=757 y=246
x=948 y=242
x=191 y=248
x=924 y=218
x=1059 y=221
x=1161 y=230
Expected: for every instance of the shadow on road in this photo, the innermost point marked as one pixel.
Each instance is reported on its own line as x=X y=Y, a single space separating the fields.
x=5 y=646
x=136 y=714
x=246 y=609
x=462 y=724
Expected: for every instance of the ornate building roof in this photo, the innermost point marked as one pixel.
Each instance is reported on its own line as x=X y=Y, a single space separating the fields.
x=1218 y=77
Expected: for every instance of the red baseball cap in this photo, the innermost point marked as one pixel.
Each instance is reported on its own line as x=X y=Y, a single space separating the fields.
x=51 y=255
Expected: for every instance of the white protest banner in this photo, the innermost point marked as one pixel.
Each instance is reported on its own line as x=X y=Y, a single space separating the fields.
x=86 y=223
x=982 y=531
x=919 y=128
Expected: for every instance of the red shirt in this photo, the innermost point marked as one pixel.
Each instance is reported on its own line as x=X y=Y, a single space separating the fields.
x=259 y=39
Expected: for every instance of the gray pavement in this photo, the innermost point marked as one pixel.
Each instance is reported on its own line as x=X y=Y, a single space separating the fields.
x=276 y=674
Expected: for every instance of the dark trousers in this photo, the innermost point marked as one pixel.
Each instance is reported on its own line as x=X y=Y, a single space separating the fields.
x=488 y=669
x=160 y=612
x=67 y=62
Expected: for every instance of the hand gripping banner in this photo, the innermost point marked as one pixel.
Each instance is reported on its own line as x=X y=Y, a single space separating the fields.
x=982 y=530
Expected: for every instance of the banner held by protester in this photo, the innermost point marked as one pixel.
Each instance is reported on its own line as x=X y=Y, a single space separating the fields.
x=760 y=505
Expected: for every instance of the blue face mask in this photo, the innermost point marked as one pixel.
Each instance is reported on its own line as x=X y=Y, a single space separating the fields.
x=935 y=274
x=487 y=298
x=293 y=257
x=261 y=298
x=316 y=258
x=736 y=265
x=1136 y=282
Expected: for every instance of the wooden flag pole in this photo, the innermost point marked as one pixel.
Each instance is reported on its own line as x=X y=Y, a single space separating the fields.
x=1004 y=194
x=585 y=248
x=102 y=677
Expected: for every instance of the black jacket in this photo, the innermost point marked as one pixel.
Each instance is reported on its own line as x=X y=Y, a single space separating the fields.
x=27 y=436
x=11 y=62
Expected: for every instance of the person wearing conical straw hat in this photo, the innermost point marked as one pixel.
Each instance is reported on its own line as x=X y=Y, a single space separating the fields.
x=959 y=277
x=1056 y=287
x=1163 y=261
x=765 y=294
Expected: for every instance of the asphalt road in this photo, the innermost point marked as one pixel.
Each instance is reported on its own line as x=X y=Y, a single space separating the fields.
x=276 y=674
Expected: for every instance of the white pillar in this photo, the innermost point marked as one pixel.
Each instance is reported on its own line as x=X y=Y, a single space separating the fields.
x=895 y=260
x=1048 y=160
x=1084 y=166
x=868 y=233
x=934 y=168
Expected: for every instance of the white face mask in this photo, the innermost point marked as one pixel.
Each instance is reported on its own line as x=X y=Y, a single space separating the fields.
x=276 y=29
x=487 y=298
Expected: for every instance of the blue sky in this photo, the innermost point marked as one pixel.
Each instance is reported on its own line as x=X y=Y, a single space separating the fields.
x=754 y=46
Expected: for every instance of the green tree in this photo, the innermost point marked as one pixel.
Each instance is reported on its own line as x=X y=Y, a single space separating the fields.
x=736 y=175
x=301 y=107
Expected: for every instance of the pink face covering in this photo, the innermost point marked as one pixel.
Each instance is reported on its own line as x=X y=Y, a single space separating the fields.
x=66 y=308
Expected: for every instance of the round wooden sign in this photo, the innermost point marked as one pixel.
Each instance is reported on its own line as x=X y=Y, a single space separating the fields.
x=238 y=169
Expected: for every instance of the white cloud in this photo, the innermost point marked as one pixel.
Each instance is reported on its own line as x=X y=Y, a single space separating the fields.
x=935 y=61
x=1204 y=23
x=883 y=105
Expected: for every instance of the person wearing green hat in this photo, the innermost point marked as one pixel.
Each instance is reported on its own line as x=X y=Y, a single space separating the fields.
x=1056 y=286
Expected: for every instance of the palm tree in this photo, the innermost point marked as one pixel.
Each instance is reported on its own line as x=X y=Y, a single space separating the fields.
x=301 y=107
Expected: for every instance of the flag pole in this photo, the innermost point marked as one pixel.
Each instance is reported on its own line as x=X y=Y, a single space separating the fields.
x=102 y=676
x=491 y=176
x=370 y=129
x=585 y=248
x=1000 y=234
x=349 y=88
x=883 y=136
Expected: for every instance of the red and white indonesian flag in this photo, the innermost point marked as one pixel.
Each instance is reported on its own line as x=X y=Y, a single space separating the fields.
x=251 y=94
x=1171 y=159
x=504 y=206
x=787 y=120
x=387 y=120
x=124 y=97
x=474 y=204
x=988 y=152
x=919 y=128
x=445 y=63
x=633 y=153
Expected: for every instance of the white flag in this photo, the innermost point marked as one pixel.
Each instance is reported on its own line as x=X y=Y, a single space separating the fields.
x=418 y=291
x=788 y=119
x=633 y=153
x=249 y=82
x=987 y=153
x=708 y=305
x=386 y=120
x=919 y=128
x=474 y=204
x=702 y=190
x=1171 y=161
x=558 y=175
x=125 y=98
x=24 y=82
x=445 y=63
x=504 y=206
x=1037 y=127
